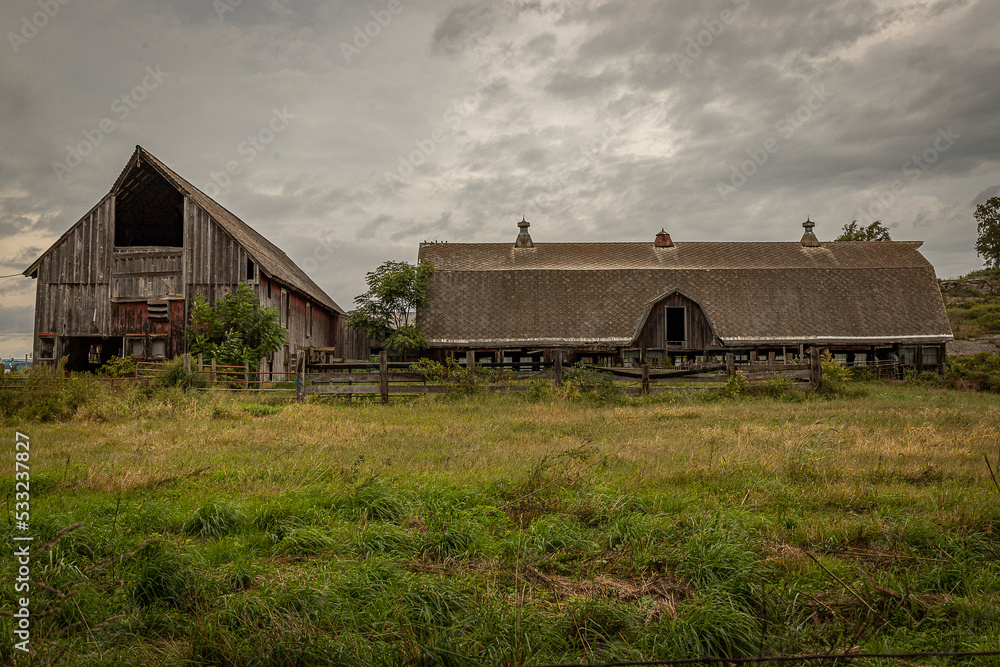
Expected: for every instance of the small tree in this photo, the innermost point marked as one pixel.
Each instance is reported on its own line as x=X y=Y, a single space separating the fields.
x=873 y=232
x=988 y=245
x=236 y=330
x=395 y=291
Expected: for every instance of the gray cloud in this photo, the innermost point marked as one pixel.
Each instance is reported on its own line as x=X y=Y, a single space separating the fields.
x=536 y=143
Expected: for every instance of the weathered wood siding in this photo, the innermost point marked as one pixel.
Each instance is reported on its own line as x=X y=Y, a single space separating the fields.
x=73 y=296
x=214 y=263
x=88 y=287
x=698 y=332
x=147 y=273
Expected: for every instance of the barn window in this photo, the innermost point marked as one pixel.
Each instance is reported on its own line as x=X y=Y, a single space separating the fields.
x=908 y=356
x=309 y=320
x=135 y=347
x=47 y=349
x=929 y=355
x=158 y=348
x=148 y=211
x=269 y=290
x=250 y=269
x=675 y=326
x=94 y=356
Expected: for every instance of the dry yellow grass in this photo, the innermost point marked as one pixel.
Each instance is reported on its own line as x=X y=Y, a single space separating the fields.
x=921 y=436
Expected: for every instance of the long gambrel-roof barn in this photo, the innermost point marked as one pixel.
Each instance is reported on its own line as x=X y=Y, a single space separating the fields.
x=121 y=280
x=619 y=302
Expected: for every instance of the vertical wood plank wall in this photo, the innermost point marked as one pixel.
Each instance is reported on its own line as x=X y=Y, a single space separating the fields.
x=88 y=287
x=73 y=293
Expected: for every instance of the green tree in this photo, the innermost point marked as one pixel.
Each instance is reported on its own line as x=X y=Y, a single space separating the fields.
x=873 y=232
x=395 y=291
x=236 y=330
x=988 y=245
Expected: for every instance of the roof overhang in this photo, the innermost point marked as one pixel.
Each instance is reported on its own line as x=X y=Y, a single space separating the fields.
x=833 y=339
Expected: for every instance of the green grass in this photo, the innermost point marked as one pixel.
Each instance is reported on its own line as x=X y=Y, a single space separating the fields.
x=506 y=530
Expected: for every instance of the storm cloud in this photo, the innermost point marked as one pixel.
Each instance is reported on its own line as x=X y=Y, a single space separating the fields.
x=440 y=120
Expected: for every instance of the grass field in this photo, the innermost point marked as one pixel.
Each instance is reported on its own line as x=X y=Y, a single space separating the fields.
x=508 y=530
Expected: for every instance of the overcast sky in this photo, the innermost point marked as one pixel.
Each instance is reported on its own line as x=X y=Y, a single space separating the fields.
x=356 y=130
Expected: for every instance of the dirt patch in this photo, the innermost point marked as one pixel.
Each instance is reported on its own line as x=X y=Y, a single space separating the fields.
x=664 y=591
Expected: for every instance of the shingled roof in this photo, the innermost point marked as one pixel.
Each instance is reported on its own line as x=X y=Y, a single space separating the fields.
x=271 y=259
x=570 y=294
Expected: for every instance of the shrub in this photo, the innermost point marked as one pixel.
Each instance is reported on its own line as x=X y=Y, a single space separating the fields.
x=736 y=385
x=980 y=372
x=464 y=379
x=174 y=375
x=118 y=367
x=582 y=382
x=46 y=396
x=835 y=376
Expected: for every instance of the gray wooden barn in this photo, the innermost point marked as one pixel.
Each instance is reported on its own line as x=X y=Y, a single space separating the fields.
x=617 y=303
x=120 y=281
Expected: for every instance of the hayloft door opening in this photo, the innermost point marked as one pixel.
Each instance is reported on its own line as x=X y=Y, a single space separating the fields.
x=675 y=326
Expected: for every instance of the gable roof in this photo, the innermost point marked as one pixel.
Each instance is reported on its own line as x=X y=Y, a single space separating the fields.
x=569 y=294
x=268 y=256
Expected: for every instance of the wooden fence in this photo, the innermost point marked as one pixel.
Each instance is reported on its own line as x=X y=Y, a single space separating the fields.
x=386 y=378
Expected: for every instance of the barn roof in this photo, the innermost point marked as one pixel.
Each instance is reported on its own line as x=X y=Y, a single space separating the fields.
x=271 y=259
x=568 y=294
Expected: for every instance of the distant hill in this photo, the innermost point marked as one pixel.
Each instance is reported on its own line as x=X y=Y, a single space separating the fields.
x=973 y=306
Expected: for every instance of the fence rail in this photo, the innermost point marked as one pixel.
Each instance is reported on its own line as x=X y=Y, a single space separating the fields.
x=399 y=378
x=352 y=378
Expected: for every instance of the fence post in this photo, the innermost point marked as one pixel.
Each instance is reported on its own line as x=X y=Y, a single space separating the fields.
x=300 y=378
x=557 y=361
x=730 y=364
x=187 y=364
x=815 y=368
x=383 y=376
x=645 y=379
x=470 y=359
x=246 y=374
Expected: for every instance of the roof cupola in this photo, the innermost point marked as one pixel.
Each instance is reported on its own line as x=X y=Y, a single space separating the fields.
x=523 y=237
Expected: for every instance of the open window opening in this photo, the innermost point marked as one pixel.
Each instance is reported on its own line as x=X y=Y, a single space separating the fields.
x=47 y=348
x=675 y=326
x=251 y=270
x=148 y=211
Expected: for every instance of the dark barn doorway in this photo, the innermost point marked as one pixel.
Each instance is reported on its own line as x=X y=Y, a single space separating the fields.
x=675 y=326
